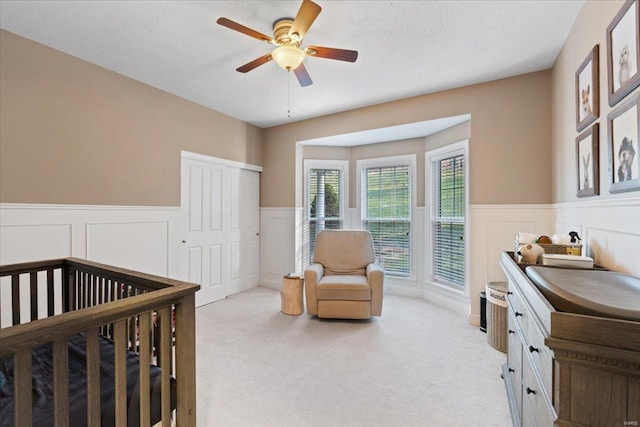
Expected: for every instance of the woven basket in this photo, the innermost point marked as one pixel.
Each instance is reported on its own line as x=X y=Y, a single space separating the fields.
x=497 y=315
x=558 y=249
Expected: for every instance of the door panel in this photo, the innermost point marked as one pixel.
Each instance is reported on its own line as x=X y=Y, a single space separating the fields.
x=215 y=265
x=195 y=264
x=195 y=198
x=216 y=200
x=220 y=213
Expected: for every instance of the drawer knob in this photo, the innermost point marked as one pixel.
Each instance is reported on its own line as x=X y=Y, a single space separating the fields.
x=512 y=331
x=518 y=314
x=530 y=391
x=532 y=349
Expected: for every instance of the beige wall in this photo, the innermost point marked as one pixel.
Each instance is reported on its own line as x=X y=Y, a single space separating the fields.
x=588 y=30
x=74 y=133
x=510 y=141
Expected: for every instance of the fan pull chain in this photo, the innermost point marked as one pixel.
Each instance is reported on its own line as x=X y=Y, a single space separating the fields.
x=289 y=94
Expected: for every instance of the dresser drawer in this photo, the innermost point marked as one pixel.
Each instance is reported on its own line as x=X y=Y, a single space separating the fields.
x=534 y=398
x=518 y=308
x=540 y=355
x=514 y=360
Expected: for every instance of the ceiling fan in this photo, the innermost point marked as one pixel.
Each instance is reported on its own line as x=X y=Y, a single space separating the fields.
x=287 y=36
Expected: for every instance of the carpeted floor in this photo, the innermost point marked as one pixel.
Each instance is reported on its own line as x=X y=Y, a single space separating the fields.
x=417 y=365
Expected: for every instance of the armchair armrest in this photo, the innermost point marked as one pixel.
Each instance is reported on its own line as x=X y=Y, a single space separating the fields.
x=312 y=275
x=375 y=276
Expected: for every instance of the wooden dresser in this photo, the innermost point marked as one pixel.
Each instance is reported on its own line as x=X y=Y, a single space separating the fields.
x=567 y=369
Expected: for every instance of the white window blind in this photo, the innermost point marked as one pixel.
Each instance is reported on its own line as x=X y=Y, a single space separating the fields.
x=449 y=220
x=387 y=215
x=325 y=202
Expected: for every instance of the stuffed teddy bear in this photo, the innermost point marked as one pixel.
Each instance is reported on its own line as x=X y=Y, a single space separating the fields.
x=530 y=253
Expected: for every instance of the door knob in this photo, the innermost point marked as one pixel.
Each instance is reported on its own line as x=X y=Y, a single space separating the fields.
x=184 y=241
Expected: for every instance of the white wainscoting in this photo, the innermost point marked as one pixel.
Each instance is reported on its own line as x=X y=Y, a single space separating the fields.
x=493 y=230
x=139 y=238
x=146 y=239
x=610 y=230
x=277 y=245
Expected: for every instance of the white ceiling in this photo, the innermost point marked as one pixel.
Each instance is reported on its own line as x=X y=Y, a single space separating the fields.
x=406 y=48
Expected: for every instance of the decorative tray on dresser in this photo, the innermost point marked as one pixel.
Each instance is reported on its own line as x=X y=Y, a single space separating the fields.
x=564 y=368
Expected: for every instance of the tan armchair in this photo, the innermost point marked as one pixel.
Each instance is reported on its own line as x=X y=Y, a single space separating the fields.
x=344 y=281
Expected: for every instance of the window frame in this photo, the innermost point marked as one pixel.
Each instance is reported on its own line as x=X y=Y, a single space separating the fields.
x=310 y=164
x=431 y=197
x=402 y=160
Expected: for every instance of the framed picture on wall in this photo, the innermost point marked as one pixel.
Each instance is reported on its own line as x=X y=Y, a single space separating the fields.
x=588 y=90
x=587 y=162
x=624 y=133
x=623 y=52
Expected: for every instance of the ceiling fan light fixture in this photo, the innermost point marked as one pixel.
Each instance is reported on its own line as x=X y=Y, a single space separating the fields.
x=288 y=57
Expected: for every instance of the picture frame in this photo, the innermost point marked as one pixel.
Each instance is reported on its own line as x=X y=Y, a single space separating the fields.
x=587 y=162
x=624 y=133
x=588 y=90
x=623 y=52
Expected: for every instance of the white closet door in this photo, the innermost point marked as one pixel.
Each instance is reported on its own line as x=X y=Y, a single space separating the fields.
x=220 y=208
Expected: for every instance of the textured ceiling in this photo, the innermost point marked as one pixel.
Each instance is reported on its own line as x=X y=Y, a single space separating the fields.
x=406 y=48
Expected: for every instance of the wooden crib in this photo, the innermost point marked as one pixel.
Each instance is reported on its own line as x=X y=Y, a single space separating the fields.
x=135 y=324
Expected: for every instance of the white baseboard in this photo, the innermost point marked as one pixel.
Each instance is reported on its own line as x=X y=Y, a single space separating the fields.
x=454 y=300
x=474 y=319
x=271 y=284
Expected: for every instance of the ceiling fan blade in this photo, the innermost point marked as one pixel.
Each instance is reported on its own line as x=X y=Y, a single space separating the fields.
x=307 y=13
x=255 y=63
x=332 y=53
x=303 y=76
x=244 y=30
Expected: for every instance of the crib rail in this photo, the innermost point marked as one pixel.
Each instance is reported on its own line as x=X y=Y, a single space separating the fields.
x=123 y=305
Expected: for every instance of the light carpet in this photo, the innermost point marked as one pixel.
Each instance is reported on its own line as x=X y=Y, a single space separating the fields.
x=417 y=365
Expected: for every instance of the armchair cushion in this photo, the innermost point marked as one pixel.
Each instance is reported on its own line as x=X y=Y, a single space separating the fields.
x=354 y=288
x=344 y=252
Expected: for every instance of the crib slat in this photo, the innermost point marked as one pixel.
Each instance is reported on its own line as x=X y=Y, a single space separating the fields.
x=73 y=290
x=89 y=289
x=22 y=387
x=101 y=290
x=61 y=382
x=165 y=364
x=120 y=362
x=133 y=341
x=15 y=299
x=85 y=290
x=145 y=362
x=78 y=294
x=68 y=282
x=93 y=378
x=33 y=284
x=50 y=293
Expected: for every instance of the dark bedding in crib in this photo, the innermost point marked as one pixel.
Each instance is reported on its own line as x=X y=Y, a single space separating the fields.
x=43 y=411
